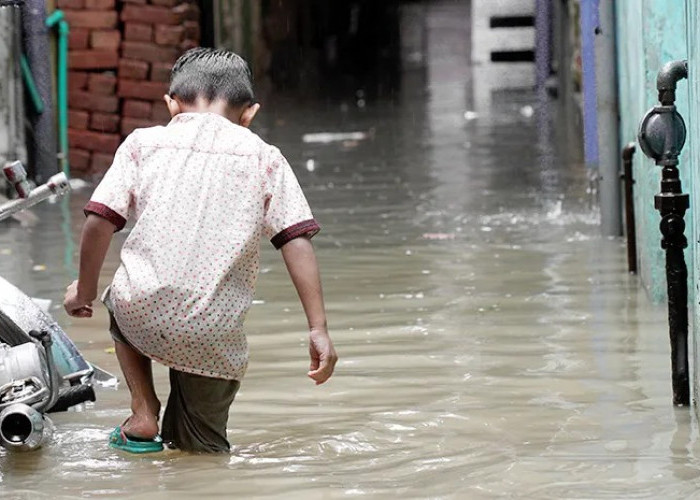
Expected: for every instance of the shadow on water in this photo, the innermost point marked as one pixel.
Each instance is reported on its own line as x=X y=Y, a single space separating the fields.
x=491 y=342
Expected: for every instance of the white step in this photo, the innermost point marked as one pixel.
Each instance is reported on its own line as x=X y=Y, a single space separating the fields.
x=487 y=40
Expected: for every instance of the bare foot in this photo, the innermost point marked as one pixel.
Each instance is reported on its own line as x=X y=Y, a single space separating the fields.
x=141 y=425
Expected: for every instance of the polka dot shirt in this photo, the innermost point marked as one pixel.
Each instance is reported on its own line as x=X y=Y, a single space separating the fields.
x=202 y=192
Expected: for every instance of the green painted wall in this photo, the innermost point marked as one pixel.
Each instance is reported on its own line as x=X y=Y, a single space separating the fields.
x=649 y=34
x=693 y=11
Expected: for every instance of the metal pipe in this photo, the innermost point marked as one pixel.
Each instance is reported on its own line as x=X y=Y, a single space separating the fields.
x=46 y=342
x=57 y=185
x=17 y=177
x=22 y=428
x=671 y=73
x=608 y=120
x=628 y=178
x=662 y=135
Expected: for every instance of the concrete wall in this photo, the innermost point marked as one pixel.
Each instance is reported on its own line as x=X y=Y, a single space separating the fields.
x=649 y=34
x=11 y=114
x=693 y=153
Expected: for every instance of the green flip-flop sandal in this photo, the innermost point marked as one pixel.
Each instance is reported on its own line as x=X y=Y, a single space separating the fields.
x=121 y=441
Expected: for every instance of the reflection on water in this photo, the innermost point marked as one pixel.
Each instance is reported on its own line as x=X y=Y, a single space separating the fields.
x=491 y=342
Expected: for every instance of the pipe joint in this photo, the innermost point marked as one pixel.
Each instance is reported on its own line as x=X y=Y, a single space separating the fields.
x=628 y=151
x=56 y=17
x=667 y=79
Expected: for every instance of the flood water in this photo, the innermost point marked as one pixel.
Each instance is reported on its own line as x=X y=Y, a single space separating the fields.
x=491 y=342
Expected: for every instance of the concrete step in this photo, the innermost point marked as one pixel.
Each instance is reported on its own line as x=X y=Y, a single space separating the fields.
x=503 y=30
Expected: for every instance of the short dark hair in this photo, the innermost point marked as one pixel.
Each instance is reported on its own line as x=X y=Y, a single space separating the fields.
x=212 y=74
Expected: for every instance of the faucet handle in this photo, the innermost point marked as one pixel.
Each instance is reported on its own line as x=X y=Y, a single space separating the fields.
x=16 y=175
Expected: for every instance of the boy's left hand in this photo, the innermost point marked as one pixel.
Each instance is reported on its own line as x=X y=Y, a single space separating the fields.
x=75 y=305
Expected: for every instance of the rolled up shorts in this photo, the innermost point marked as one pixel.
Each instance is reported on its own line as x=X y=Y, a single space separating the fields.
x=196 y=415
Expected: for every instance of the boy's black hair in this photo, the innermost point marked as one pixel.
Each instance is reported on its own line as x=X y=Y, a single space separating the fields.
x=212 y=74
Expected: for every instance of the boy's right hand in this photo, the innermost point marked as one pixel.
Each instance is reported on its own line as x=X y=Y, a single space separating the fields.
x=75 y=305
x=323 y=356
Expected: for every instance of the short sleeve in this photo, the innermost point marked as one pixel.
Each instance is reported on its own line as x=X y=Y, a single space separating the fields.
x=287 y=213
x=114 y=197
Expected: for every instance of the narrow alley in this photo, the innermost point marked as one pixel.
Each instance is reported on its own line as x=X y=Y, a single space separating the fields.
x=491 y=342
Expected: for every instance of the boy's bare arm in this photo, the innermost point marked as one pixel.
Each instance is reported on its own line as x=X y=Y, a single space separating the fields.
x=94 y=243
x=301 y=263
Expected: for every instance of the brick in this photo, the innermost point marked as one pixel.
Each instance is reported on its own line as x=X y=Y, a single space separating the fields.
x=160 y=72
x=93 y=102
x=102 y=83
x=79 y=159
x=105 y=40
x=100 y=163
x=105 y=122
x=78 y=119
x=131 y=124
x=93 y=59
x=192 y=30
x=148 y=91
x=132 y=69
x=137 y=32
x=187 y=12
x=169 y=35
x=153 y=14
x=99 y=4
x=78 y=38
x=77 y=80
x=70 y=4
x=93 y=19
x=160 y=113
x=93 y=141
x=166 y=3
x=149 y=52
x=137 y=109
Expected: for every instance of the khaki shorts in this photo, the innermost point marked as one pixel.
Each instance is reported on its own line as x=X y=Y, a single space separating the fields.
x=196 y=415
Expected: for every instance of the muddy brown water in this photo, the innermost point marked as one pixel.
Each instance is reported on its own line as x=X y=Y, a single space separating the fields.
x=491 y=342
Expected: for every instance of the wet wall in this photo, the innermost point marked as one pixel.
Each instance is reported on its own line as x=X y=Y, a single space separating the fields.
x=649 y=34
x=693 y=155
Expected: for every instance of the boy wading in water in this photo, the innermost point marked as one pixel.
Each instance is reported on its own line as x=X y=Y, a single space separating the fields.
x=202 y=192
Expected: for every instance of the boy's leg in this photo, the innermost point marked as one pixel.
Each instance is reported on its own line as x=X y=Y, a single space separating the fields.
x=145 y=406
x=196 y=415
x=138 y=372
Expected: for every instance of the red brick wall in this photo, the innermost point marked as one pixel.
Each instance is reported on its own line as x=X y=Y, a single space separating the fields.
x=120 y=55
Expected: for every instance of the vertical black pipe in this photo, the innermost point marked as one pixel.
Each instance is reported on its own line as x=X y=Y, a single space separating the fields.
x=43 y=161
x=672 y=204
x=677 y=276
x=662 y=135
x=627 y=155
